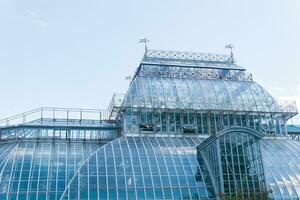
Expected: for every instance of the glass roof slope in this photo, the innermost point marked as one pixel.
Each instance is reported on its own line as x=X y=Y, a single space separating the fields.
x=199 y=94
x=282 y=167
x=5 y=150
x=40 y=170
x=142 y=168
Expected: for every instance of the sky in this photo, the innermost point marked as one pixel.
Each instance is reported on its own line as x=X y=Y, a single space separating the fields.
x=75 y=53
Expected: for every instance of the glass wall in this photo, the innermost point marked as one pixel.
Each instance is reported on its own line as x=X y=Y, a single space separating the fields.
x=235 y=163
x=174 y=122
x=241 y=165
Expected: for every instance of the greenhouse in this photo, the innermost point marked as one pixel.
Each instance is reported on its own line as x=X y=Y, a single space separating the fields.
x=190 y=126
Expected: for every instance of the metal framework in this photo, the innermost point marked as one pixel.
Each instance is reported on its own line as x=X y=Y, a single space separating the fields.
x=60 y=123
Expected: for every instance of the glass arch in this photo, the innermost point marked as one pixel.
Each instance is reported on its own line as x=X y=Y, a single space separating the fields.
x=143 y=168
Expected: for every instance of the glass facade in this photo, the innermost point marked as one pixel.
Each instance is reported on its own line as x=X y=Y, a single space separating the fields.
x=233 y=157
x=191 y=126
x=242 y=164
x=183 y=122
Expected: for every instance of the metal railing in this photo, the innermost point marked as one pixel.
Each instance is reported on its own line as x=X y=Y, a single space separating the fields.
x=53 y=113
x=284 y=107
x=288 y=106
x=188 y=56
x=115 y=104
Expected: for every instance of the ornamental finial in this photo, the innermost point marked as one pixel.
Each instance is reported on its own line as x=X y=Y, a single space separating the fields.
x=230 y=46
x=145 y=41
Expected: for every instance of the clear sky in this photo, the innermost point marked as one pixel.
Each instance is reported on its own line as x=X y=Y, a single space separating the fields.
x=76 y=53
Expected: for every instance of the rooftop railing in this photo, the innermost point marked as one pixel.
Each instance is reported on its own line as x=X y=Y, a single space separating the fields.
x=115 y=104
x=195 y=73
x=60 y=115
x=183 y=55
x=288 y=106
x=287 y=109
x=190 y=59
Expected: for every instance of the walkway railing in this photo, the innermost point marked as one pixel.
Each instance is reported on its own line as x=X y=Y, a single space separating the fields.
x=115 y=104
x=56 y=114
x=288 y=106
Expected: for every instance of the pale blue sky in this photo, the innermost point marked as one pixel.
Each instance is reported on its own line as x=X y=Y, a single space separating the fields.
x=72 y=53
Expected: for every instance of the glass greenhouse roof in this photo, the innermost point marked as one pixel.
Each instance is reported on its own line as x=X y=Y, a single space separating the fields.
x=197 y=81
x=136 y=166
x=282 y=167
x=142 y=168
x=199 y=94
x=40 y=170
